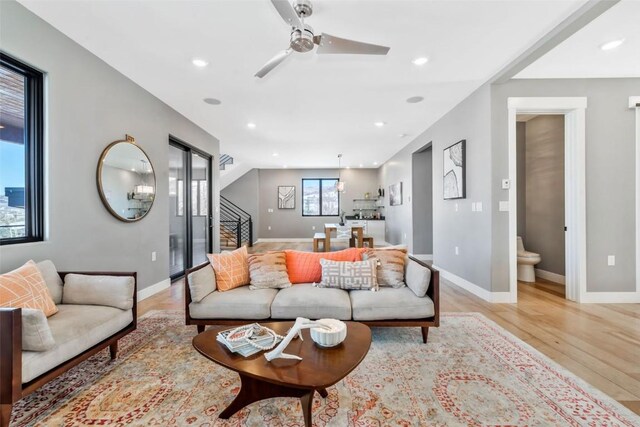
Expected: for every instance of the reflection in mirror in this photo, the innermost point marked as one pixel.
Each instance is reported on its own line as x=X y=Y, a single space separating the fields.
x=126 y=181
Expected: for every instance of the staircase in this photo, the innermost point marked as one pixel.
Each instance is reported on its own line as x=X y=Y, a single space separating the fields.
x=236 y=226
x=225 y=160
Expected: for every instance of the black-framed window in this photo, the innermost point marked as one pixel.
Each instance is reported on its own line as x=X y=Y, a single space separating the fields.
x=21 y=152
x=320 y=197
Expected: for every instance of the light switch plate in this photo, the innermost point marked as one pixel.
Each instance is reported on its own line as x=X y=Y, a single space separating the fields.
x=473 y=206
x=457 y=250
x=456 y=207
x=503 y=206
x=611 y=260
x=478 y=206
x=154 y=256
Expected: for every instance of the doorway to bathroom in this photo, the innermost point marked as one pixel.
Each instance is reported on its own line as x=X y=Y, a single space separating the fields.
x=573 y=112
x=540 y=142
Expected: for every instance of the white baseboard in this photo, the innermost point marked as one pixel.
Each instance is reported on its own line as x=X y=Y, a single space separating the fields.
x=610 y=297
x=493 y=297
x=553 y=277
x=423 y=257
x=285 y=240
x=153 y=289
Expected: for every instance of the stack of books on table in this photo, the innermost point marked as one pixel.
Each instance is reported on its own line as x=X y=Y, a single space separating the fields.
x=238 y=341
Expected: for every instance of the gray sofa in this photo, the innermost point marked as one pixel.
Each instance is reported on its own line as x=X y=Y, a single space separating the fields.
x=95 y=309
x=412 y=305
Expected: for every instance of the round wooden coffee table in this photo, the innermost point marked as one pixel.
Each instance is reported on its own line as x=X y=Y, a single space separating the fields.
x=320 y=367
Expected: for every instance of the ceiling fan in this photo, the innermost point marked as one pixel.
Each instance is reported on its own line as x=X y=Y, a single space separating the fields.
x=304 y=40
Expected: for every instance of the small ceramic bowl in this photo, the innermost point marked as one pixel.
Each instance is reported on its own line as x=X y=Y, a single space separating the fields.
x=329 y=337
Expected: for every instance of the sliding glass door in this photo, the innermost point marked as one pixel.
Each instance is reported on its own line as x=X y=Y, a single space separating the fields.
x=190 y=220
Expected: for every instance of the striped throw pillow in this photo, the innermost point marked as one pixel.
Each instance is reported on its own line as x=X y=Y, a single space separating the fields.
x=390 y=267
x=268 y=271
x=25 y=287
x=358 y=275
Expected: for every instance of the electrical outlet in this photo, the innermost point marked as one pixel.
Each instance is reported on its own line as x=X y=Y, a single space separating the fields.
x=269 y=228
x=154 y=256
x=611 y=260
x=270 y=210
x=506 y=184
x=457 y=250
x=456 y=207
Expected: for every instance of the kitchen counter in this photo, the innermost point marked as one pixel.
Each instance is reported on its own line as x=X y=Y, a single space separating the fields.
x=354 y=218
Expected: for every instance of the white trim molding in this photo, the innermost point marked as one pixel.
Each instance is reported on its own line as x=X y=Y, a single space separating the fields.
x=611 y=297
x=548 y=275
x=574 y=111
x=153 y=289
x=493 y=297
x=285 y=240
x=634 y=103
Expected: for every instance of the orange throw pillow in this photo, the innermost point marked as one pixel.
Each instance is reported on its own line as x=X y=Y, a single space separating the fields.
x=304 y=267
x=231 y=268
x=24 y=287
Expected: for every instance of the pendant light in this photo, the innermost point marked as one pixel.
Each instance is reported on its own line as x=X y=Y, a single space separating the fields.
x=144 y=189
x=340 y=184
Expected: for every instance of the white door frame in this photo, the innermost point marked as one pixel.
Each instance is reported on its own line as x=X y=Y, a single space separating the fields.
x=573 y=109
x=634 y=103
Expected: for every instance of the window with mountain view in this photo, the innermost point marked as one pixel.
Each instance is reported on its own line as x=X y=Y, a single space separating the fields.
x=320 y=197
x=21 y=168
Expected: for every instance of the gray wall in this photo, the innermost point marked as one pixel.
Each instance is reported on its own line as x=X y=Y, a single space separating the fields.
x=545 y=191
x=88 y=105
x=422 y=182
x=244 y=192
x=289 y=223
x=469 y=231
x=610 y=175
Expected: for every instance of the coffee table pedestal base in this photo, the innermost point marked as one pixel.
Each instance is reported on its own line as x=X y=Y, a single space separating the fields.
x=253 y=390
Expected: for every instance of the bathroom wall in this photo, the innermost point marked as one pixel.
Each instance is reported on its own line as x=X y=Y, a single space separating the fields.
x=521 y=177
x=545 y=191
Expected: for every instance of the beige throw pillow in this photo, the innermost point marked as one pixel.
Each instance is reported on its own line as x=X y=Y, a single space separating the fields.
x=358 y=275
x=36 y=333
x=201 y=283
x=390 y=265
x=268 y=271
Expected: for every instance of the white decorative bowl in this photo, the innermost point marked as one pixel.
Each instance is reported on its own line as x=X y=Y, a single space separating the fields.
x=329 y=337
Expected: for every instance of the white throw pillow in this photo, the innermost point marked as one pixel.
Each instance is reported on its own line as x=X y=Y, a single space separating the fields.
x=36 y=333
x=417 y=278
x=201 y=283
x=112 y=291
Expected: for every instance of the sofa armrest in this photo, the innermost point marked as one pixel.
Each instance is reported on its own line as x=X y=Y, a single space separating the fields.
x=10 y=355
x=433 y=291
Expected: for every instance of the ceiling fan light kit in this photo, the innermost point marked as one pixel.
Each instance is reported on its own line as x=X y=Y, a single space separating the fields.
x=304 y=40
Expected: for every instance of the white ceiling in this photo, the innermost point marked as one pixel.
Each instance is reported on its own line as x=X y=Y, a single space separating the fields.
x=580 y=55
x=311 y=107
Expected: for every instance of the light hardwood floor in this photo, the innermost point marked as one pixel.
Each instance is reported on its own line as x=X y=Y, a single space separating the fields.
x=598 y=342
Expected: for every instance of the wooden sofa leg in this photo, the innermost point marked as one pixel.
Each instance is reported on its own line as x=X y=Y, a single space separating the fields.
x=5 y=414
x=113 y=350
x=425 y=333
x=200 y=329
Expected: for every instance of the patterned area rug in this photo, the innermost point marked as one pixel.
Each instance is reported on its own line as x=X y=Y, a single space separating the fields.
x=472 y=372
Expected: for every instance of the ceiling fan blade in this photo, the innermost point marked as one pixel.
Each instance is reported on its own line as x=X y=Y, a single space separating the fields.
x=287 y=12
x=332 y=44
x=273 y=63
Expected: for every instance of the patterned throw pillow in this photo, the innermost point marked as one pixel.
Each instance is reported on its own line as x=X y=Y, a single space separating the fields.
x=25 y=288
x=347 y=275
x=231 y=268
x=390 y=267
x=268 y=271
x=304 y=267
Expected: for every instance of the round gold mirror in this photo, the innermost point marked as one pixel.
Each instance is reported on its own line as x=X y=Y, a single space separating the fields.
x=126 y=180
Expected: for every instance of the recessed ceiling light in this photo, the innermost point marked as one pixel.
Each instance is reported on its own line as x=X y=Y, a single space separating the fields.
x=415 y=99
x=1 y=127
x=361 y=165
x=348 y=167
x=375 y=163
x=379 y=124
x=133 y=170
x=212 y=101
x=285 y=166
x=420 y=61
x=612 y=44
x=198 y=62
x=402 y=135
x=251 y=125
x=275 y=154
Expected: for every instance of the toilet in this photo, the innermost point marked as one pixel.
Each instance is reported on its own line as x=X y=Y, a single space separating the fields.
x=526 y=261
